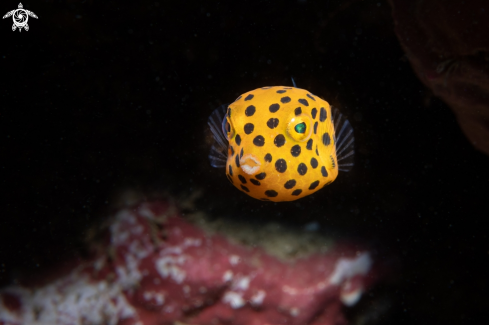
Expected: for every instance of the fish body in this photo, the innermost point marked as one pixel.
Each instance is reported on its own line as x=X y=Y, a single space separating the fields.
x=279 y=143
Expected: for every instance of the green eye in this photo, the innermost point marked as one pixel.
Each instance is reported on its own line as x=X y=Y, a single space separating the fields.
x=300 y=128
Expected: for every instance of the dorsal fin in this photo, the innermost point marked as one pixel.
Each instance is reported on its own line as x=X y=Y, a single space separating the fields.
x=218 y=152
x=344 y=140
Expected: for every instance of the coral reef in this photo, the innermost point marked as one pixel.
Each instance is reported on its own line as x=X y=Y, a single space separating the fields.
x=153 y=266
x=449 y=51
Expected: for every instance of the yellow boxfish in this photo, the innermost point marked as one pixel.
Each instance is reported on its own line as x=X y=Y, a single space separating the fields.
x=280 y=143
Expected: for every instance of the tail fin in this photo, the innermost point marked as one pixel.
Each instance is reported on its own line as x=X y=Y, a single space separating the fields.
x=218 y=152
x=344 y=140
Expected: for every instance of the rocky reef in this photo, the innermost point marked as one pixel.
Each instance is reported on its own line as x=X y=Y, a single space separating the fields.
x=448 y=49
x=151 y=265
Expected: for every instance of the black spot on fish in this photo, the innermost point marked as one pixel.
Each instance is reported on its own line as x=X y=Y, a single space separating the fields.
x=232 y=150
x=309 y=144
x=273 y=108
x=281 y=91
x=316 y=127
x=302 y=169
x=310 y=96
x=272 y=123
x=314 y=112
x=261 y=176
x=314 y=185
x=250 y=110
x=242 y=179
x=249 y=97
x=290 y=184
x=285 y=99
x=271 y=193
x=317 y=152
x=326 y=139
x=237 y=161
x=279 y=140
x=304 y=102
x=254 y=181
x=238 y=140
x=268 y=157
x=248 y=128
x=324 y=172
x=314 y=163
x=295 y=150
x=298 y=111
x=230 y=170
x=322 y=115
x=244 y=188
x=241 y=153
x=296 y=192
x=259 y=141
x=280 y=165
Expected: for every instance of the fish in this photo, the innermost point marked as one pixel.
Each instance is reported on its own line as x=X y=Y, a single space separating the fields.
x=280 y=143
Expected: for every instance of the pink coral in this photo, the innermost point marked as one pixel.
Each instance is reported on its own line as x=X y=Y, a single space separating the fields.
x=159 y=268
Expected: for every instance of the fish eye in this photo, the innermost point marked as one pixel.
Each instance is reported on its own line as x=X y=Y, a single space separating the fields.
x=300 y=128
x=227 y=128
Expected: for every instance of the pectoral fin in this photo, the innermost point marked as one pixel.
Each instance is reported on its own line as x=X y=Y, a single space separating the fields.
x=344 y=140
x=218 y=152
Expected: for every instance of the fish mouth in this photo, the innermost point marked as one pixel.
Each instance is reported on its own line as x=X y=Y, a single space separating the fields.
x=250 y=164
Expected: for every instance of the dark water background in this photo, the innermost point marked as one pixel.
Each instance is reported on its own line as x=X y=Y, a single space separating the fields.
x=100 y=96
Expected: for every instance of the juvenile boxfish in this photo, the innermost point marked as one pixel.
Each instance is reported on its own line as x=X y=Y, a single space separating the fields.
x=280 y=143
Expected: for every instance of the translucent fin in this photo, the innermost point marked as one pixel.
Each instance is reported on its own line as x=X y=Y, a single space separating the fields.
x=293 y=82
x=218 y=153
x=344 y=140
x=216 y=157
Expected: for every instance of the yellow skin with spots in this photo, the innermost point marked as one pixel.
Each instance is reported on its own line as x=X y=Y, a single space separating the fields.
x=252 y=115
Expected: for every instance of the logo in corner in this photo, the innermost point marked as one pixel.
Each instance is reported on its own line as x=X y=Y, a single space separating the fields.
x=20 y=17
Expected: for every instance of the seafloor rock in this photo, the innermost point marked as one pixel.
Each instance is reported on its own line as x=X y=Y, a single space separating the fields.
x=155 y=267
x=448 y=47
